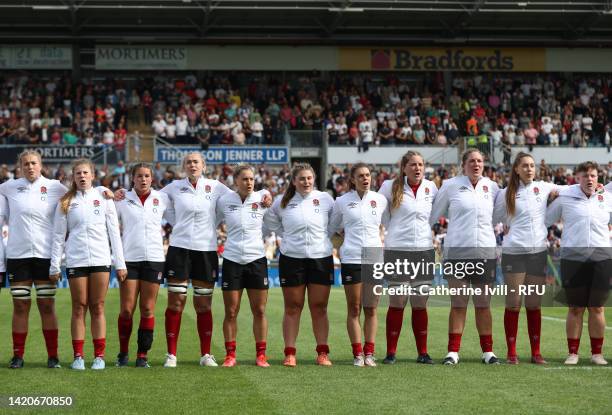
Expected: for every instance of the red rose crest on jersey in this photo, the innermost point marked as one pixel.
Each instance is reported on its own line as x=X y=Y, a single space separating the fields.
x=207 y=189
x=427 y=190
x=315 y=202
x=254 y=207
x=485 y=189
x=96 y=203
x=373 y=204
x=536 y=191
x=600 y=198
x=155 y=202
x=43 y=190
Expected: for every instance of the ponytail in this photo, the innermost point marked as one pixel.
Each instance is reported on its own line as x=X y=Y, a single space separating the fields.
x=513 y=184
x=290 y=192
x=397 y=190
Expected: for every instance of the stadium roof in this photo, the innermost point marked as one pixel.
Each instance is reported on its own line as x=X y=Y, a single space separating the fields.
x=347 y=22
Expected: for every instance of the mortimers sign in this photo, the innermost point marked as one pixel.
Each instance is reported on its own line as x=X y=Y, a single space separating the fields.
x=141 y=57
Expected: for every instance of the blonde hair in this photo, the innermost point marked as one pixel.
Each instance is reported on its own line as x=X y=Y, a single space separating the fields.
x=240 y=167
x=191 y=153
x=67 y=198
x=25 y=153
x=397 y=190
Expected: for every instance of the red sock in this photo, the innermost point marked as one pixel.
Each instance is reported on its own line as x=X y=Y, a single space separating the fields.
x=147 y=323
x=395 y=316
x=357 y=349
x=596 y=345
x=534 y=328
x=173 y=328
x=230 y=349
x=99 y=347
x=51 y=342
x=77 y=348
x=322 y=348
x=368 y=348
x=454 y=342
x=19 y=340
x=124 y=326
x=511 y=319
x=419 y=328
x=290 y=351
x=573 y=345
x=486 y=343
x=205 y=328
x=260 y=348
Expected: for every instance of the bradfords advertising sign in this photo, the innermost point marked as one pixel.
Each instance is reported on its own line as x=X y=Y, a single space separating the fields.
x=221 y=155
x=443 y=59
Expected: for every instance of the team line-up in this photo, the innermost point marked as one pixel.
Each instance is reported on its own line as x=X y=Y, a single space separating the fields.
x=84 y=224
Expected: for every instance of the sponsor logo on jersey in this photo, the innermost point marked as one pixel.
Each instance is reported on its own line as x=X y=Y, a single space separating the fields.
x=74 y=205
x=464 y=189
x=352 y=205
x=536 y=191
x=159 y=276
x=373 y=204
x=156 y=202
x=132 y=202
x=43 y=190
x=207 y=188
x=315 y=202
x=22 y=189
x=184 y=189
x=96 y=203
x=233 y=208
x=292 y=205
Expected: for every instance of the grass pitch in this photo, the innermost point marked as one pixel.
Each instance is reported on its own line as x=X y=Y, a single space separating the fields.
x=405 y=387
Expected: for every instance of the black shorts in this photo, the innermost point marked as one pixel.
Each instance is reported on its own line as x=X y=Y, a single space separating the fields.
x=27 y=269
x=351 y=273
x=530 y=264
x=235 y=276
x=413 y=273
x=183 y=264
x=299 y=271
x=77 y=272
x=145 y=271
x=586 y=284
x=474 y=271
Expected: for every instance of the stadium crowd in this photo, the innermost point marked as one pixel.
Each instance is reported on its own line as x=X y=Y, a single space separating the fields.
x=354 y=109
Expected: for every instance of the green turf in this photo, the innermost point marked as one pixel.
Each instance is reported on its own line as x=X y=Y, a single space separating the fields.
x=405 y=387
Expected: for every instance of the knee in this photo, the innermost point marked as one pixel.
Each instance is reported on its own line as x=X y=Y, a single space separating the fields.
x=176 y=304
x=259 y=312
x=596 y=310
x=79 y=309
x=204 y=308
x=46 y=306
x=577 y=311
x=126 y=314
x=318 y=309
x=354 y=310
x=21 y=307
x=369 y=312
x=294 y=309
x=146 y=311
x=97 y=309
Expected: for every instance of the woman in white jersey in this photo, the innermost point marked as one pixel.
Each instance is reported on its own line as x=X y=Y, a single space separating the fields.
x=140 y=216
x=301 y=218
x=359 y=214
x=586 y=258
x=89 y=221
x=29 y=204
x=521 y=207
x=244 y=262
x=469 y=251
x=410 y=198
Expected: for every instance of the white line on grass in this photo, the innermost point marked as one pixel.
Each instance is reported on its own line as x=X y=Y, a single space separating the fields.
x=577 y=368
x=562 y=320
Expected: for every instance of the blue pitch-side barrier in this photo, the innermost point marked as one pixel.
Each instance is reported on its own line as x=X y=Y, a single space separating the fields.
x=553 y=269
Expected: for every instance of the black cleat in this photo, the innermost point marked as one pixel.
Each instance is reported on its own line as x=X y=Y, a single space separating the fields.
x=142 y=362
x=16 y=363
x=122 y=360
x=425 y=359
x=493 y=360
x=390 y=359
x=53 y=363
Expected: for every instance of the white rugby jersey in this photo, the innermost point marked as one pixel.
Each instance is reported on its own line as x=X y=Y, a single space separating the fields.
x=408 y=225
x=469 y=211
x=3 y=212
x=528 y=231
x=244 y=222
x=90 y=223
x=361 y=219
x=194 y=213
x=585 y=219
x=141 y=226
x=29 y=213
x=302 y=225
x=609 y=187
